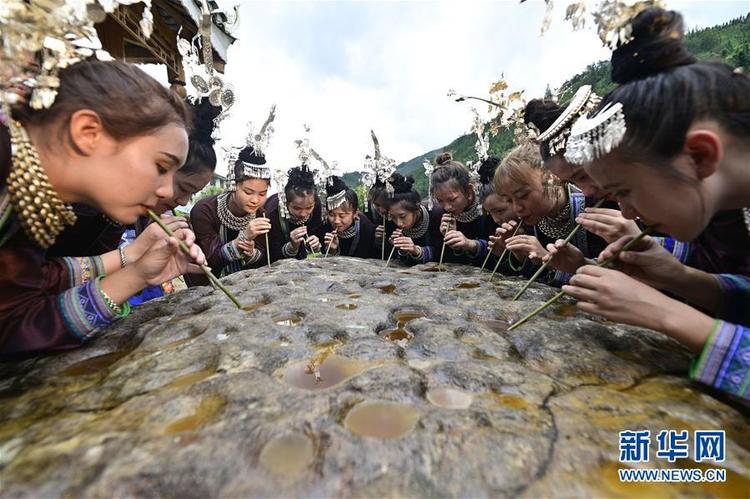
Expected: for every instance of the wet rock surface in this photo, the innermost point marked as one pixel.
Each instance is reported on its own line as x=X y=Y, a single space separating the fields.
x=344 y=378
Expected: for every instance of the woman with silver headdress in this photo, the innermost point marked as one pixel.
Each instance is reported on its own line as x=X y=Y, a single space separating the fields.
x=698 y=152
x=228 y=225
x=554 y=122
x=84 y=148
x=295 y=214
x=347 y=231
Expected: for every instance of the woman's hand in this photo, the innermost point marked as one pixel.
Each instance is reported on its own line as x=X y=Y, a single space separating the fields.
x=564 y=256
x=620 y=298
x=297 y=236
x=526 y=246
x=607 y=223
x=164 y=260
x=379 y=231
x=403 y=243
x=331 y=241
x=647 y=261
x=446 y=223
x=502 y=234
x=314 y=243
x=456 y=240
x=153 y=233
x=257 y=227
x=247 y=247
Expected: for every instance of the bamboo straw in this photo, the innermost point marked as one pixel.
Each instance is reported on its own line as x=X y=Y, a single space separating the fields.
x=268 y=251
x=390 y=256
x=211 y=278
x=484 y=264
x=268 y=247
x=546 y=264
x=502 y=255
x=604 y=263
x=442 y=250
x=382 y=244
x=328 y=248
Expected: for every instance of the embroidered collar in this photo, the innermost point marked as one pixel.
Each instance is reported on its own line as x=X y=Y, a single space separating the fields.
x=419 y=230
x=471 y=213
x=350 y=231
x=227 y=218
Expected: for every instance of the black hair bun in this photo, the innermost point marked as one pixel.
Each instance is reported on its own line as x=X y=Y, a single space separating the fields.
x=301 y=177
x=443 y=158
x=203 y=121
x=247 y=155
x=400 y=183
x=487 y=169
x=336 y=185
x=542 y=113
x=657 y=46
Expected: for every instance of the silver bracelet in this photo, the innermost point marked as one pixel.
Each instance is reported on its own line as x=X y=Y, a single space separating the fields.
x=123 y=260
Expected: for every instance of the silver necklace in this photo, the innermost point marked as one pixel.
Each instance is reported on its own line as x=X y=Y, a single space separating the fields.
x=559 y=226
x=227 y=218
x=419 y=230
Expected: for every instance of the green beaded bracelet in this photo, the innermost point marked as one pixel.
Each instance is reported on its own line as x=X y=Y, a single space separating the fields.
x=119 y=310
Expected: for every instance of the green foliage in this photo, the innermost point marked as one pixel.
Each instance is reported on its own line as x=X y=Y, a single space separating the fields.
x=208 y=191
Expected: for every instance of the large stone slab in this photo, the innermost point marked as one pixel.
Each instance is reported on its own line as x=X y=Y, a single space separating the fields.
x=422 y=391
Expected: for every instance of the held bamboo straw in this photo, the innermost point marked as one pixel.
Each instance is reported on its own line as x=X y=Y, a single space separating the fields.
x=392 y=249
x=212 y=278
x=604 y=263
x=328 y=248
x=382 y=244
x=268 y=247
x=442 y=250
x=390 y=256
x=546 y=264
x=502 y=255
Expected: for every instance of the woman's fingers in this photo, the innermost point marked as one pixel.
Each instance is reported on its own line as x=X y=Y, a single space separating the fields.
x=579 y=293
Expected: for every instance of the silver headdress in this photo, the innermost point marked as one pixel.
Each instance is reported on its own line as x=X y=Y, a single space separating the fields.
x=259 y=143
x=281 y=177
x=322 y=173
x=381 y=166
x=205 y=81
x=612 y=18
x=428 y=169
x=336 y=200
x=507 y=108
x=481 y=146
x=592 y=138
x=323 y=176
x=55 y=29
x=584 y=101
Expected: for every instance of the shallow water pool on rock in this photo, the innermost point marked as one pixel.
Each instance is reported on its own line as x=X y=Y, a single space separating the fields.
x=343 y=378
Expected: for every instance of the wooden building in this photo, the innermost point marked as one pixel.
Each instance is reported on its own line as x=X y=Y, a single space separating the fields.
x=121 y=35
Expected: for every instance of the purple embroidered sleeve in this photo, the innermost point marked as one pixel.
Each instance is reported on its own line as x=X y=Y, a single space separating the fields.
x=724 y=362
x=84 y=311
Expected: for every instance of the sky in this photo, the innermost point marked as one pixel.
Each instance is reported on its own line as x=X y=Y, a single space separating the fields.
x=344 y=68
